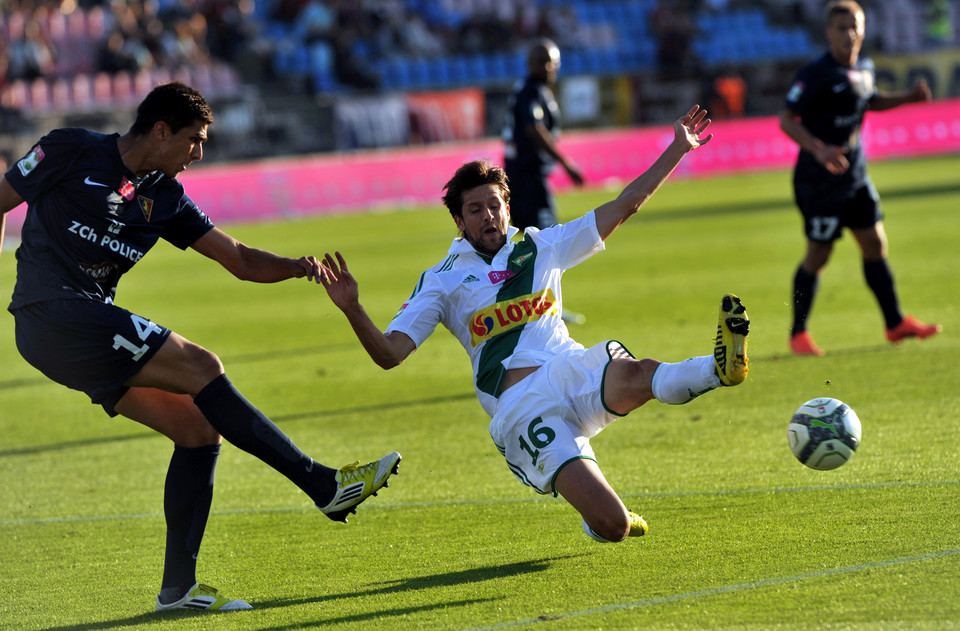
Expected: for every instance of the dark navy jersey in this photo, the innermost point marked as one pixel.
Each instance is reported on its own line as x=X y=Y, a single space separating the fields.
x=831 y=100
x=530 y=103
x=90 y=219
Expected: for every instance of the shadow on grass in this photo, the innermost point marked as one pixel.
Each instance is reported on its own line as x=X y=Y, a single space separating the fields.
x=418 y=583
x=280 y=418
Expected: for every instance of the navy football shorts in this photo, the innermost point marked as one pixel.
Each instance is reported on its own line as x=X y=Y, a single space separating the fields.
x=824 y=218
x=87 y=345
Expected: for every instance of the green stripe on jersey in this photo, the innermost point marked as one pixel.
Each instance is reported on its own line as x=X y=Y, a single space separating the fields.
x=490 y=370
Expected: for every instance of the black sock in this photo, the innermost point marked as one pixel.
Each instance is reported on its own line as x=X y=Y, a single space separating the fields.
x=249 y=429
x=880 y=280
x=804 y=291
x=187 y=495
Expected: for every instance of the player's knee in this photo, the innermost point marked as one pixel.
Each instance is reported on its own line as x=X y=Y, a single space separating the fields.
x=611 y=527
x=204 y=363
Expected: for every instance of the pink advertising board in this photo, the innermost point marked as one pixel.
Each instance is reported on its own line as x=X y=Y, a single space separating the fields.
x=308 y=186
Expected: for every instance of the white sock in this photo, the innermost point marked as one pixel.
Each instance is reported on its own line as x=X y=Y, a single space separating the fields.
x=593 y=535
x=683 y=382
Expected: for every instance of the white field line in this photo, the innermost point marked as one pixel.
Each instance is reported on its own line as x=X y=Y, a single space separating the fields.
x=715 y=591
x=464 y=502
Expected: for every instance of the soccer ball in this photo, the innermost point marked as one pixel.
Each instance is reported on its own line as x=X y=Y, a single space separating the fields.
x=824 y=433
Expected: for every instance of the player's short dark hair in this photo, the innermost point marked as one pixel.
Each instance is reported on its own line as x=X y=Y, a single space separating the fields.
x=176 y=104
x=471 y=175
x=838 y=7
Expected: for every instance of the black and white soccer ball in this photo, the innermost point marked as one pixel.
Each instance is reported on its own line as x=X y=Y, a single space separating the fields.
x=824 y=433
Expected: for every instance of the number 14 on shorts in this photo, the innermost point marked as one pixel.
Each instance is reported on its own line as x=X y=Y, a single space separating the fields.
x=144 y=328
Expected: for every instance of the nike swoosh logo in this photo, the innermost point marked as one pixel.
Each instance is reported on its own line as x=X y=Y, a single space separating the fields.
x=92 y=183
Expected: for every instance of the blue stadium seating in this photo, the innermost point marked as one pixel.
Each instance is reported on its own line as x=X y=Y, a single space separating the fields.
x=737 y=36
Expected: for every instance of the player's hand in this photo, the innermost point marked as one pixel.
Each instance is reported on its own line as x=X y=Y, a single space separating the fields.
x=341 y=286
x=921 y=92
x=690 y=126
x=574 y=172
x=307 y=266
x=833 y=158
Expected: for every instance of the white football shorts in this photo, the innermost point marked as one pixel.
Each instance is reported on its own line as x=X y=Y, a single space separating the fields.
x=548 y=419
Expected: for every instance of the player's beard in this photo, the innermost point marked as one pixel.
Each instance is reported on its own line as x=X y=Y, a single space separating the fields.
x=486 y=244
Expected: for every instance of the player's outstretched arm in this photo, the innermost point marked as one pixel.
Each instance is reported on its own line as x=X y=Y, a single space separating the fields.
x=386 y=350
x=259 y=266
x=688 y=130
x=920 y=93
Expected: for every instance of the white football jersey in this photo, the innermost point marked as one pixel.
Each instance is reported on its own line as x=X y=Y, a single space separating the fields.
x=505 y=310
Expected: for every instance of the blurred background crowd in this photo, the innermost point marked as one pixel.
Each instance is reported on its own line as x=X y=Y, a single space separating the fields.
x=63 y=59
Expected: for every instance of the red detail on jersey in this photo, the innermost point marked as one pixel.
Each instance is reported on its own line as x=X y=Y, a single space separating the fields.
x=500 y=276
x=126 y=189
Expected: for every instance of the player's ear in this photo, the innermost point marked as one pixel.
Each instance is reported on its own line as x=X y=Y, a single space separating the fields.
x=458 y=219
x=161 y=130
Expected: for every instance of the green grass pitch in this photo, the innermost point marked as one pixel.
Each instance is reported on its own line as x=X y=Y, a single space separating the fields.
x=742 y=536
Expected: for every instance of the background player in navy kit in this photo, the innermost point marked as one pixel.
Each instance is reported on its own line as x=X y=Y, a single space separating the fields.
x=823 y=113
x=530 y=139
x=96 y=204
x=530 y=145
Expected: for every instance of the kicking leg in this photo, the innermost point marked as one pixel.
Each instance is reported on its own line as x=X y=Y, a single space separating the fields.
x=631 y=383
x=181 y=366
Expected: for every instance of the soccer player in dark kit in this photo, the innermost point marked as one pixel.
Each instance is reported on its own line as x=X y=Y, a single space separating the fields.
x=530 y=140
x=530 y=145
x=96 y=203
x=823 y=113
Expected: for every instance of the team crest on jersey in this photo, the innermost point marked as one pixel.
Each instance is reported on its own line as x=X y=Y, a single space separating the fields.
x=861 y=81
x=520 y=259
x=400 y=310
x=146 y=206
x=30 y=161
x=509 y=314
x=795 y=91
x=500 y=276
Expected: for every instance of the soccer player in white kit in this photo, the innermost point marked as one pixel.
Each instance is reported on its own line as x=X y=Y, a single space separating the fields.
x=501 y=298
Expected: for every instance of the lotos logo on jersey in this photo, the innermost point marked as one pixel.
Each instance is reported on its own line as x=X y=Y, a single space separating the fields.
x=30 y=161
x=501 y=317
